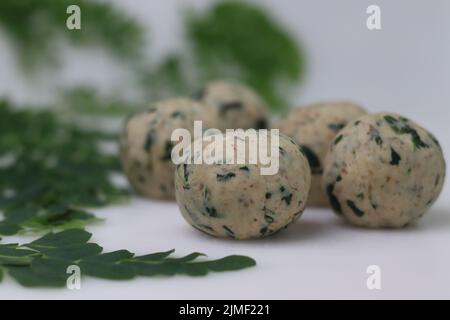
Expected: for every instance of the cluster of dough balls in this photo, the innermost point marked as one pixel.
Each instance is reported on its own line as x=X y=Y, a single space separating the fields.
x=375 y=170
x=313 y=127
x=145 y=142
x=383 y=170
x=236 y=201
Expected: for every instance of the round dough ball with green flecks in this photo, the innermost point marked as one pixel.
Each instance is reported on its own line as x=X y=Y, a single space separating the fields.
x=383 y=170
x=234 y=105
x=314 y=127
x=237 y=201
x=145 y=144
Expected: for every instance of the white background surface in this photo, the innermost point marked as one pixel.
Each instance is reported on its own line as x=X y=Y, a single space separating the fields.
x=403 y=68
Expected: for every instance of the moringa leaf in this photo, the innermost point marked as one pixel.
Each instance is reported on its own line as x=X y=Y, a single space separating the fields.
x=155 y=256
x=44 y=22
x=12 y=255
x=187 y=258
x=239 y=40
x=107 y=269
x=44 y=261
x=41 y=188
x=60 y=239
x=27 y=277
x=8 y=229
x=230 y=263
x=73 y=252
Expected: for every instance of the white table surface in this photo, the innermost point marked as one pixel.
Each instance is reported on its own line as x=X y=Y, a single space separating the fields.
x=403 y=68
x=317 y=257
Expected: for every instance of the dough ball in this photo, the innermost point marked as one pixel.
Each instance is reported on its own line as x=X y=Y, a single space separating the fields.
x=236 y=201
x=145 y=144
x=313 y=127
x=234 y=105
x=383 y=170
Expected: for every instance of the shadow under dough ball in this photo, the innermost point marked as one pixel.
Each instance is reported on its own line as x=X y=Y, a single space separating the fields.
x=146 y=146
x=383 y=170
x=314 y=127
x=237 y=201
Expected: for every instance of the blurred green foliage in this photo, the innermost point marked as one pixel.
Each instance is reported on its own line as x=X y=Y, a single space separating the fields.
x=50 y=169
x=231 y=39
x=87 y=100
x=36 y=26
x=238 y=40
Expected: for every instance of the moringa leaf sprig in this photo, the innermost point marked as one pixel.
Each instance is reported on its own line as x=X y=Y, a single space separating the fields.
x=50 y=170
x=44 y=262
x=37 y=26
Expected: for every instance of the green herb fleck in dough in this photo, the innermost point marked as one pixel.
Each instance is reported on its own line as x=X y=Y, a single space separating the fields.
x=268 y=195
x=360 y=196
x=186 y=172
x=212 y=212
x=338 y=138
x=334 y=202
x=355 y=209
x=390 y=119
x=313 y=160
x=186 y=176
x=149 y=139
x=204 y=226
x=268 y=215
x=436 y=142
x=263 y=230
x=167 y=151
x=261 y=124
x=436 y=182
x=209 y=209
x=357 y=122
x=287 y=198
x=178 y=114
x=336 y=127
x=375 y=136
x=225 y=177
x=402 y=127
x=395 y=158
x=199 y=94
x=225 y=107
x=229 y=232
x=244 y=168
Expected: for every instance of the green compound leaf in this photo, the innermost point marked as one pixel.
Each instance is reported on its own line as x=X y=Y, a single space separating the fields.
x=30 y=24
x=13 y=256
x=44 y=262
x=41 y=157
x=157 y=256
x=239 y=40
x=9 y=229
x=60 y=239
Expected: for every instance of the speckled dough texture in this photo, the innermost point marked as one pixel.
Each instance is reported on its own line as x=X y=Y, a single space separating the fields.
x=314 y=127
x=383 y=170
x=145 y=145
x=233 y=105
x=236 y=201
